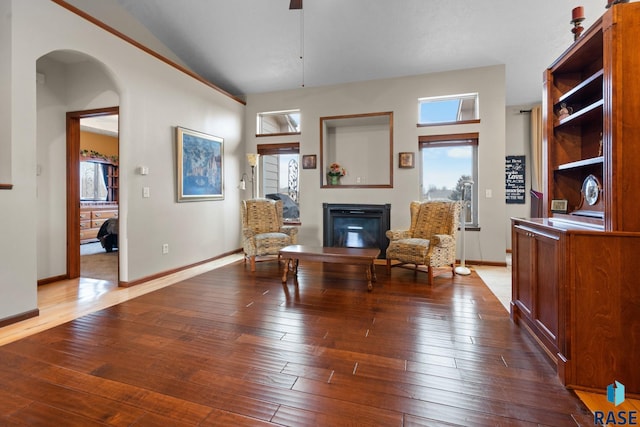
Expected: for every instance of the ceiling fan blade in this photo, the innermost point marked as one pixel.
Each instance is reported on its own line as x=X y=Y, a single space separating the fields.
x=295 y=4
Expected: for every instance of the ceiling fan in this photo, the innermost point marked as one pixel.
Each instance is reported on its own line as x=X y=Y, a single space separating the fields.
x=295 y=4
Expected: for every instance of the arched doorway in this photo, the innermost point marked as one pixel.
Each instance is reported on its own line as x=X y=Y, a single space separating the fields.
x=71 y=86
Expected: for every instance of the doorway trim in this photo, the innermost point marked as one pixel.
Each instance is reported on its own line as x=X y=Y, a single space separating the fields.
x=73 y=184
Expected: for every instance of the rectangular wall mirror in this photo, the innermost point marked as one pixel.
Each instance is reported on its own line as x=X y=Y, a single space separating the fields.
x=361 y=145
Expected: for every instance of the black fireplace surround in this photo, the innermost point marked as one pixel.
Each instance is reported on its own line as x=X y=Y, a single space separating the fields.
x=356 y=226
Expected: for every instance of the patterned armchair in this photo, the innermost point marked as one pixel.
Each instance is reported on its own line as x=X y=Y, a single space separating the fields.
x=430 y=241
x=263 y=232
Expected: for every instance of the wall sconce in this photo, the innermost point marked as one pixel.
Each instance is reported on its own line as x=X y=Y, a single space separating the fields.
x=243 y=182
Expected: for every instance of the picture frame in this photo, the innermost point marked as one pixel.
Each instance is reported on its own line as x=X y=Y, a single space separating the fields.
x=309 y=161
x=406 y=160
x=200 y=166
x=559 y=206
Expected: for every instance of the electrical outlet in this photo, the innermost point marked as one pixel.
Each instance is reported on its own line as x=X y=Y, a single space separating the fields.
x=145 y=192
x=488 y=193
x=165 y=248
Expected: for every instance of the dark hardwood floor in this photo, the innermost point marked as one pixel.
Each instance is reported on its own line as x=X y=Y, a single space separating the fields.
x=235 y=348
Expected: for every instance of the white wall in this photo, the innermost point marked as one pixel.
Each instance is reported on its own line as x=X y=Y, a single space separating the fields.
x=518 y=130
x=5 y=89
x=367 y=144
x=153 y=99
x=399 y=95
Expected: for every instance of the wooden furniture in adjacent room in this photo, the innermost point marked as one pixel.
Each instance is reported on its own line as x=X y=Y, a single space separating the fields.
x=358 y=256
x=575 y=285
x=91 y=218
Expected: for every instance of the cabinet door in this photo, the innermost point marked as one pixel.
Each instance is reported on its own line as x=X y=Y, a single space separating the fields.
x=547 y=284
x=522 y=269
x=537 y=282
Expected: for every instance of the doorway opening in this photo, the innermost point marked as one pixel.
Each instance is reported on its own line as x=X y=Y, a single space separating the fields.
x=92 y=194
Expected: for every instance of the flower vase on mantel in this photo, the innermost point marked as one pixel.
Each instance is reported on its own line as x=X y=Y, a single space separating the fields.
x=334 y=179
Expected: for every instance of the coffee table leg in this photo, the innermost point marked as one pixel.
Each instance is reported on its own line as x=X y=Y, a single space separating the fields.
x=286 y=269
x=369 y=285
x=373 y=271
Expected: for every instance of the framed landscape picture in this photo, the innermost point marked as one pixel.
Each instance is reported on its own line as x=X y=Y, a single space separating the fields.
x=199 y=165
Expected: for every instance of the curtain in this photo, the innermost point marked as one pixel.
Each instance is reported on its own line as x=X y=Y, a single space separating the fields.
x=536 y=148
x=105 y=177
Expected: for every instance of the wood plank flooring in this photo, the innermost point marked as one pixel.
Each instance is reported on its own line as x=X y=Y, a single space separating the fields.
x=234 y=348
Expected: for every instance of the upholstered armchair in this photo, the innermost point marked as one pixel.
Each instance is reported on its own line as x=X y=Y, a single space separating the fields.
x=263 y=232
x=430 y=240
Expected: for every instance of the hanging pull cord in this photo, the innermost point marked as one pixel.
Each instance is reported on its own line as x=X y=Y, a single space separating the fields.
x=302 y=43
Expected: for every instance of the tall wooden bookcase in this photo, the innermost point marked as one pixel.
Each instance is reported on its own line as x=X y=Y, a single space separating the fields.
x=575 y=285
x=598 y=80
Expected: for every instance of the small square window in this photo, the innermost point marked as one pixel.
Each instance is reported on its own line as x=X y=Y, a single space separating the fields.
x=448 y=109
x=278 y=122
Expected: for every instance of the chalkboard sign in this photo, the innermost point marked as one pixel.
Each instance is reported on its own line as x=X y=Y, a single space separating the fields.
x=515 y=179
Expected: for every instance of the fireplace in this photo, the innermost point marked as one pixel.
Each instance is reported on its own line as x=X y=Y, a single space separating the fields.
x=356 y=226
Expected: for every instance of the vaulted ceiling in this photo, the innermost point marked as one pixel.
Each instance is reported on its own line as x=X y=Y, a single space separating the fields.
x=254 y=46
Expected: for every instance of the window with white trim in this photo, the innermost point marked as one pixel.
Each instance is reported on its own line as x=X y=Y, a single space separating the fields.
x=447 y=161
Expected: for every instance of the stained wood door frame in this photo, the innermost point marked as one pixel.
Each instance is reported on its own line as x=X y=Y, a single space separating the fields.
x=73 y=184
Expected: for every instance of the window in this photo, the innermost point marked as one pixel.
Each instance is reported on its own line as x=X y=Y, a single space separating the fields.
x=448 y=109
x=92 y=181
x=278 y=122
x=279 y=168
x=447 y=161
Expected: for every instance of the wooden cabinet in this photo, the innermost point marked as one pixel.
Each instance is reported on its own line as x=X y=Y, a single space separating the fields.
x=575 y=288
x=113 y=182
x=596 y=81
x=91 y=219
x=538 y=271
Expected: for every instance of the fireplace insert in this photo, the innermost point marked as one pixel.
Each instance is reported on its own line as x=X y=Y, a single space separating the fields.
x=356 y=226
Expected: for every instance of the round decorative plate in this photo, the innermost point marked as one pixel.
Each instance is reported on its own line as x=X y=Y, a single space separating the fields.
x=591 y=190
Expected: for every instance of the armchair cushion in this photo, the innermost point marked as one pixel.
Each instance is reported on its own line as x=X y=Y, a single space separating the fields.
x=411 y=250
x=270 y=243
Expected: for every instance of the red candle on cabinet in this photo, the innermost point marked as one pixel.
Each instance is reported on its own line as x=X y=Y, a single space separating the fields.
x=577 y=13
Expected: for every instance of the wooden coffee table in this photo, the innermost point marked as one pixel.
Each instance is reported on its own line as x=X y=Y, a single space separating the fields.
x=359 y=256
